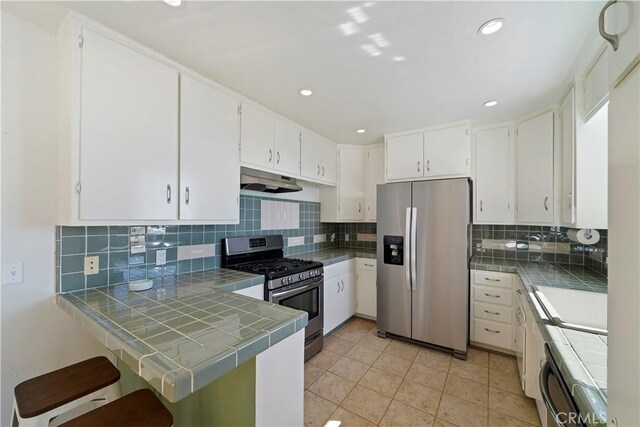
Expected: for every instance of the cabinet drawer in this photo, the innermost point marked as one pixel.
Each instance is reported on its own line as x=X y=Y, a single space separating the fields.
x=492 y=295
x=492 y=333
x=495 y=312
x=491 y=278
x=366 y=263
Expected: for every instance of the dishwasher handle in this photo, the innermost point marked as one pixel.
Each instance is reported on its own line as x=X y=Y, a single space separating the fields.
x=545 y=373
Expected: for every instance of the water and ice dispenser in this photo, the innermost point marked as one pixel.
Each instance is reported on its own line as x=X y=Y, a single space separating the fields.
x=393 y=250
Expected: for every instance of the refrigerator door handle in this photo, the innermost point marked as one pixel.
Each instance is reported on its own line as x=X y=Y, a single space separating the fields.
x=407 y=237
x=414 y=238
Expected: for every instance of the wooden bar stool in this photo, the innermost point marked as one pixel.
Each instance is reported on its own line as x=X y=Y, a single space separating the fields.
x=138 y=409
x=38 y=400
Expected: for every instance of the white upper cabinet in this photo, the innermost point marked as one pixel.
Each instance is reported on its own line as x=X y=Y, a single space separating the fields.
x=287 y=148
x=535 y=167
x=128 y=134
x=318 y=158
x=447 y=152
x=345 y=202
x=256 y=137
x=596 y=85
x=493 y=187
x=209 y=165
x=567 y=116
x=405 y=157
x=374 y=175
x=622 y=20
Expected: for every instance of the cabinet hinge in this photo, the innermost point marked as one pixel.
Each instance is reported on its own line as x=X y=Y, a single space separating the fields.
x=239 y=109
x=78 y=187
x=80 y=41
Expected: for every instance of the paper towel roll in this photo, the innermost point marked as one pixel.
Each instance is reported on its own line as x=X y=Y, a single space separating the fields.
x=586 y=236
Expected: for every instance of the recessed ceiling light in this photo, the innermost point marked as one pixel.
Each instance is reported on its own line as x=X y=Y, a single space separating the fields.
x=399 y=58
x=360 y=131
x=306 y=92
x=174 y=3
x=491 y=27
x=492 y=103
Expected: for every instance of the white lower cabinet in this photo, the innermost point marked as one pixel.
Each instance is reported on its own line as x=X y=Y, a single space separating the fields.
x=366 y=289
x=339 y=294
x=491 y=310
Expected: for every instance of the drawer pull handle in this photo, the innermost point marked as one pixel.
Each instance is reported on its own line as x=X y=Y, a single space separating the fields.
x=368 y=265
x=492 y=312
x=492 y=331
x=492 y=280
x=491 y=295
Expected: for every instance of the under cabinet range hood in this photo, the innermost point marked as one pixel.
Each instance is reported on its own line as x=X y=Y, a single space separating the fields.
x=266 y=182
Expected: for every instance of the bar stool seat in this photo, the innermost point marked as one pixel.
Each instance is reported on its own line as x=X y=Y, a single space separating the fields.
x=138 y=409
x=41 y=395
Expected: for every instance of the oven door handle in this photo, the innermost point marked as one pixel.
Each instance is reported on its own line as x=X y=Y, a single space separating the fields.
x=279 y=295
x=545 y=373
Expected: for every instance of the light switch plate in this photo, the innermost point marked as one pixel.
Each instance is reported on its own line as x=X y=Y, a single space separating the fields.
x=138 y=249
x=91 y=265
x=161 y=257
x=12 y=273
x=295 y=241
x=319 y=238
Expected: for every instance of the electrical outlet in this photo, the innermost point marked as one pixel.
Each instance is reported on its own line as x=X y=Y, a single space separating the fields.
x=346 y=237
x=161 y=257
x=91 y=265
x=12 y=273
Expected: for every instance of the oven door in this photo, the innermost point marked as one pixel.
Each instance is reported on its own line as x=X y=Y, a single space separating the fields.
x=306 y=296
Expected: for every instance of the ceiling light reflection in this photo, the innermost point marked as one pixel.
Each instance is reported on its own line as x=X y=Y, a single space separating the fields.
x=379 y=40
x=349 y=28
x=399 y=58
x=358 y=15
x=371 y=49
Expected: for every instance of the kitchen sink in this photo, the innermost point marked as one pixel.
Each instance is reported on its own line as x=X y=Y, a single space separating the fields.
x=574 y=309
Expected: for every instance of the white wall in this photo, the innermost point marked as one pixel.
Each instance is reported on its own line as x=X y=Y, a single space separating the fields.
x=37 y=336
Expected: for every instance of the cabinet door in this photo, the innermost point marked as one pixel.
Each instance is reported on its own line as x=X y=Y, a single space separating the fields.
x=405 y=157
x=347 y=296
x=128 y=134
x=351 y=185
x=493 y=202
x=311 y=153
x=534 y=147
x=256 y=137
x=366 y=292
x=374 y=173
x=332 y=303
x=447 y=152
x=287 y=148
x=209 y=165
x=623 y=19
x=329 y=166
x=568 y=144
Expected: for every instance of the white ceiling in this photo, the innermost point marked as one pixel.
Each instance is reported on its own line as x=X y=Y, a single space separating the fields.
x=268 y=51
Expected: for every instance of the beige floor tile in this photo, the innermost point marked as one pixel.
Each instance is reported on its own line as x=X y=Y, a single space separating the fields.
x=372 y=340
x=500 y=420
x=519 y=407
x=311 y=373
x=366 y=403
x=418 y=396
x=434 y=359
x=426 y=375
x=392 y=364
x=381 y=381
x=505 y=381
x=402 y=349
x=325 y=359
x=477 y=356
x=461 y=412
x=401 y=415
x=332 y=387
x=442 y=423
x=338 y=345
x=349 y=419
x=470 y=371
x=353 y=335
x=503 y=363
x=466 y=389
x=349 y=369
x=363 y=354
x=316 y=410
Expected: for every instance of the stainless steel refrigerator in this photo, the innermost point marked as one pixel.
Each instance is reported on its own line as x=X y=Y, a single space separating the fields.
x=424 y=233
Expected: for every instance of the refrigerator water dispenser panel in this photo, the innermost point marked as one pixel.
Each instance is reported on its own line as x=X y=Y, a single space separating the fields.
x=393 y=250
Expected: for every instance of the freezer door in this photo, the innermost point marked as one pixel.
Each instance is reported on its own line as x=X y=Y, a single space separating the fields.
x=393 y=288
x=440 y=304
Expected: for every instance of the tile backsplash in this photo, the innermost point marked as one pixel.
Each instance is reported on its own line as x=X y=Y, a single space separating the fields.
x=538 y=243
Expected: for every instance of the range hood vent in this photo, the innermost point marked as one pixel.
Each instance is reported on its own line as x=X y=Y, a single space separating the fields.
x=266 y=182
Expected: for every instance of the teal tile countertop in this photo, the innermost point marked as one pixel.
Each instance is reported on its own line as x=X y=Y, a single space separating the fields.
x=582 y=355
x=187 y=330
x=335 y=255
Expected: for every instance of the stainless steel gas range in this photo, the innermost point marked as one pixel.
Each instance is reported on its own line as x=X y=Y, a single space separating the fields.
x=294 y=283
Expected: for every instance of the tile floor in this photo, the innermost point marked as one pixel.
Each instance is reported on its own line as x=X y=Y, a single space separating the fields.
x=362 y=380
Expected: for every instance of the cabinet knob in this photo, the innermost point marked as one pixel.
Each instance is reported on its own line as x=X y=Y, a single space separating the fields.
x=270 y=155
x=359 y=207
x=318 y=169
x=186 y=196
x=480 y=205
x=323 y=171
x=277 y=157
x=168 y=194
x=428 y=165
x=418 y=165
x=546 y=203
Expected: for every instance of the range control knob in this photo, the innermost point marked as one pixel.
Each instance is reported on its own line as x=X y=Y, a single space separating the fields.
x=283 y=281
x=290 y=279
x=312 y=273
x=301 y=276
